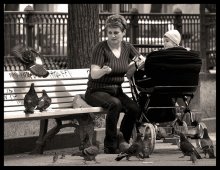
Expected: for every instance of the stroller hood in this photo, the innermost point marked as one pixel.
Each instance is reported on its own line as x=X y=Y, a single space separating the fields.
x=174 y=66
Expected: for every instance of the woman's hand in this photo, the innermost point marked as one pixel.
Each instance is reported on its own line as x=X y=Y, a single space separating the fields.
x=131 y=69
x=97 y=71
x=106 y=69
x=140 y=60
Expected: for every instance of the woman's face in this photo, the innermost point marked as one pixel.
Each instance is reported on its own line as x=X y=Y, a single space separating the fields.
x=115 y=35
x=168 y=43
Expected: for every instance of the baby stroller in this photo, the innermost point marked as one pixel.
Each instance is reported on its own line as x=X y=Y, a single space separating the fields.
x=163 y=89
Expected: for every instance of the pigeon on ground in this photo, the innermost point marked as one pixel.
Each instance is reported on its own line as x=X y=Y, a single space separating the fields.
x=193 y=158
x=62 y=156
x=122 y=144
x=147 y=145
x=207 y=145
x=90 y=153
x=30 y=100
x=85 y=142
x=195 y=123
x=187 y=148
x=86 y=130
x=44 y=101
x=161 y=133
x=55 y=157
x=31 y=58
x=86 y=123
x=136 y=149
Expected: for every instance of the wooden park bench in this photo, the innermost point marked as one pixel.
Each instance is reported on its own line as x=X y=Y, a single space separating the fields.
x=62 y=86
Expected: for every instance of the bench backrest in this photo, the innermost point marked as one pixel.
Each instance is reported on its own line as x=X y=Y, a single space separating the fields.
x=61 y=86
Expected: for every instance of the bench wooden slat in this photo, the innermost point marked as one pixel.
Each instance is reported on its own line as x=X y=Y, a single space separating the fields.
x=16 y=76
x=21 y=101
x=52 y=106
x=48 y=89
x=53 y=113
x=56 y=97
x=53 y=75
x=51 y=94
x=129 y=95
x=18 y=105
x=45 y=83
x=51 y=88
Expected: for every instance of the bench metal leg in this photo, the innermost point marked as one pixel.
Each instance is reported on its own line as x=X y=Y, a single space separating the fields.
x=52 y=132
x=46 y=137
x=39 y=143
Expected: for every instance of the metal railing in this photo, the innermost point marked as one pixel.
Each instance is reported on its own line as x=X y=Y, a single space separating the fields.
x=47 y=32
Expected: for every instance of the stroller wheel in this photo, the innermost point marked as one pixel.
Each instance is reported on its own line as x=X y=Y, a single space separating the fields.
x=180 y=127
x=149 y=135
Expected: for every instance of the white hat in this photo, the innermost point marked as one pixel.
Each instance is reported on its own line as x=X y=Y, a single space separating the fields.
x=174 y=36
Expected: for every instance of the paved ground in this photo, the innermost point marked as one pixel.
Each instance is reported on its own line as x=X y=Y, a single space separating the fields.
x=165 y=154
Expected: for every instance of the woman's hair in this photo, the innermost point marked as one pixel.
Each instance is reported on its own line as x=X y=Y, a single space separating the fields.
x=116 y=20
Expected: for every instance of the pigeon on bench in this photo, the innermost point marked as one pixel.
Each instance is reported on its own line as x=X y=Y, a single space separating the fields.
x=30 y=100
x=44 y=101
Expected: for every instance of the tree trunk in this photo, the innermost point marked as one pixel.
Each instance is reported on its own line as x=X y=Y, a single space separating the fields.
x=11 y=7
x=83 y=27
x=156 y=8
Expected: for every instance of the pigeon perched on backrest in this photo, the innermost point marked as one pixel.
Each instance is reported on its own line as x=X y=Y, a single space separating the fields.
x=23 y=54
x=186 y=147
x=44 y=101
x=136 y=149
x=90 y=153
x=30 y=100
x=207 y=144
x=31 y=59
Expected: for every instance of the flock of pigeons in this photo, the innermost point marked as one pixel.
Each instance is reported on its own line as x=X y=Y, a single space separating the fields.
x=139 y=149
x=189 y=150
